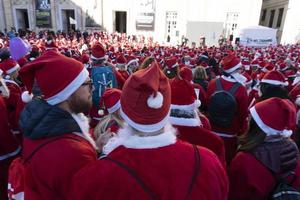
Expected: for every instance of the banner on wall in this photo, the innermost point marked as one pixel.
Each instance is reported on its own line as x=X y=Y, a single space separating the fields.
x=43 y=13
x=257 y=36
x=145 y=19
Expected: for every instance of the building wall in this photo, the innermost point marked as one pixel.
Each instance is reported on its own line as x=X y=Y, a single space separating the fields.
x=270 y=5
x=291 y=31
x=103 y=13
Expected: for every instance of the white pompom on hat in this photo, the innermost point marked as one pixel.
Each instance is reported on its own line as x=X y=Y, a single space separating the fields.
x=145 y=99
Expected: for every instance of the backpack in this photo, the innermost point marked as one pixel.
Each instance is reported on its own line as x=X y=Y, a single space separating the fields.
x=222 y=105
x=284 y=190
x=103 y=77
x=16 y=174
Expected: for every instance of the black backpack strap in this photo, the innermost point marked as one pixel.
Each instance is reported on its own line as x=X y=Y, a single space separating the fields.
x=219 y=85
x=196 y=171
x=134 y=175
x=234 y=88
x=44 y=144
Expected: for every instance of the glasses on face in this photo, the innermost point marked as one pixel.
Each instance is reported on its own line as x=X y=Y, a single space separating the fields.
x=88 y=83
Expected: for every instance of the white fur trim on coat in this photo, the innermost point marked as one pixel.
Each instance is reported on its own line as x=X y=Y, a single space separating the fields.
x=83 y=123
x=126 y=138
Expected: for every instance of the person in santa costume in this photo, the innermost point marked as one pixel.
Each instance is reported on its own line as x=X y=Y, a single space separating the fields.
x=231 y=77
x=56 y=132
x=9 y=146
x=273 y=84
x=14 y=101
x=121 y=66
x=99 y=59
x=187 y=74
x=109 y=103
x=143 y=153
x=185 y=118
x=265 y=152
x=171 y=68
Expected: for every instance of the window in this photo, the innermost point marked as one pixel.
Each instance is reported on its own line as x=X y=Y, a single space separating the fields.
x=279 y=19
x=263 y=16
x=271 y=18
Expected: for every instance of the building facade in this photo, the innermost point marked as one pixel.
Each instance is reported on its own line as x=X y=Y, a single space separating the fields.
x=273 y=15
x=167 y=20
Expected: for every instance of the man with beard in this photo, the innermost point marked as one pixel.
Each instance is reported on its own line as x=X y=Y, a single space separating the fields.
x=56 y=132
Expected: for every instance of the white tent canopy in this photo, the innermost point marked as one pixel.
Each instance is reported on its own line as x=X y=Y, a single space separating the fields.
x=257 y=36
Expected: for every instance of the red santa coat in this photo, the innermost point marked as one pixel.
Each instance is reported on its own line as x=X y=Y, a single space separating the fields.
x=154 y=164
x=9 y=148
x=49 y=172
x=14 y=104
x=191 y=131
x=250 y=179
x=239 y=123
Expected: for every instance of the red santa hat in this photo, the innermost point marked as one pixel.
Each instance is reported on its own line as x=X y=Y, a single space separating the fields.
x=50 y=43
x=186 y=73
x=98 y=52
x=183 y=95
x=121 y=60
x=111 y=100
x=171 y=63
x=131 y=60
x=231 y=63
x=275 y=116
x=85 y=58
x=249 y=79
x=57 y=76
x=145 y=99
x=246 y=65
x=9 y=66
x=274 y=78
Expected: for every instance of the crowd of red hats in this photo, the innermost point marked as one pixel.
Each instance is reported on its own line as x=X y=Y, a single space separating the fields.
x=175 y=85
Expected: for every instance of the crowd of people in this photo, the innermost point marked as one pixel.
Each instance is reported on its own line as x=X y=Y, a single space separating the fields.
x=111 y=116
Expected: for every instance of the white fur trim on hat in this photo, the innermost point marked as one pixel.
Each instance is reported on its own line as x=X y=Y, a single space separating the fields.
x=191 y=122
x=192 y=106
x=26 y=97
x=266 y=129
x=17 y=66
x=70 y=89
x=232 y=69
x=145 y=127
x=101 y=58
x=155 y=102
x=100 y=112
x=114 y=107
x=274 y=82
x=133 y=61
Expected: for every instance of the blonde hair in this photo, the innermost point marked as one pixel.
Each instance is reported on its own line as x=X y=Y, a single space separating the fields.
x=200 y=73
x=102 y=125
